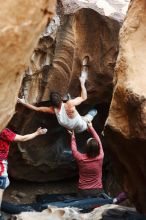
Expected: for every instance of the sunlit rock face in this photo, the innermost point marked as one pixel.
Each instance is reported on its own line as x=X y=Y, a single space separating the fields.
x=84 y=33
x=126 y=124
x=36 y=75
x=115 y=9
x=21 y=23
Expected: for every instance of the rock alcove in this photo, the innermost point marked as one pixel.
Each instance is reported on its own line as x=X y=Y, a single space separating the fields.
x=116 y=85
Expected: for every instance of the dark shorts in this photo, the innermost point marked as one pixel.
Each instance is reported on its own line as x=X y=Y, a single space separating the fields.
x=89 y=192
x=4 y=182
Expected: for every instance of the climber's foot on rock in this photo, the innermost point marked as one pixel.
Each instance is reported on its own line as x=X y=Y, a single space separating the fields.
x=85 y=61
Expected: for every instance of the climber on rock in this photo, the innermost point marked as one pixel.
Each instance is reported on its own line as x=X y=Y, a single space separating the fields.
x=6 y=137
x=66 y=112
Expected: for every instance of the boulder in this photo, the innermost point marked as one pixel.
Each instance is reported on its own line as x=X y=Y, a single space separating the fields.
x=113 y=9
x=21 y=23
x=48 y=157
x=126 y=124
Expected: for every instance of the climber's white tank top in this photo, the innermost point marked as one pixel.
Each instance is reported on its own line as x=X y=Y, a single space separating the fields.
x=77 y=123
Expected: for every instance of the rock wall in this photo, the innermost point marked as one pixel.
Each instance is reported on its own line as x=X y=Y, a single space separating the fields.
x=83 y=33
x=73 y=41
x=56 y=65
x=97 y=37
x=21 y=23
x=126 y=124
x=114 y=9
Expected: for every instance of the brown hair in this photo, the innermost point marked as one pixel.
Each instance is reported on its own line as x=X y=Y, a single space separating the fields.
x=92 y=148
x=55 y=99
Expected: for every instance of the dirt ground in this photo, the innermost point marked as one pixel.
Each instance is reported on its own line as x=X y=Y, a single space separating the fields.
x=25 y=192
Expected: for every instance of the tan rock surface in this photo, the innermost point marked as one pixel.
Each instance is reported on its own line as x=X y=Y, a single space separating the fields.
x=58 y=68
x=126 y=124
x=21 y=23
x=115 y=9
x=85 y=33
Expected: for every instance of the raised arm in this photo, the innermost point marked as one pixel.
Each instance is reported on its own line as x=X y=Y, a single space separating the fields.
x=27 y=137
x=83 y=97
x=77 y=155
x=35 y=108
x=97 y=138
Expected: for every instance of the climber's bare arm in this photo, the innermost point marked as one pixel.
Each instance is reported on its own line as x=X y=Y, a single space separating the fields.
x=83 y=97
x=35 y=108
x=76 y=101
x=46 y=109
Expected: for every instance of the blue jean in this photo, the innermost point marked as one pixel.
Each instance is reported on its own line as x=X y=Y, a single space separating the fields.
x=4 y=182
x=92 y=112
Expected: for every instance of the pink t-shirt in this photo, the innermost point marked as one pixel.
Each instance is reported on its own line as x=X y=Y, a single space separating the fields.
x=90 y=169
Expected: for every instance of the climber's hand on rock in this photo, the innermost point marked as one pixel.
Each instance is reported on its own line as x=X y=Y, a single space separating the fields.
x=22 y=101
